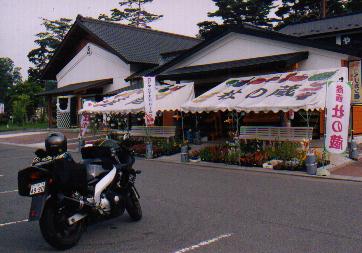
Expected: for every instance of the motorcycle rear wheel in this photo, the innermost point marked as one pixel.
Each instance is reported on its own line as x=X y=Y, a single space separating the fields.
x=133 y=206
x=56 y=231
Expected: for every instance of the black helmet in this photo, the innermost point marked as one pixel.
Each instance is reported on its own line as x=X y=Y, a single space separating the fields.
x=56 y=144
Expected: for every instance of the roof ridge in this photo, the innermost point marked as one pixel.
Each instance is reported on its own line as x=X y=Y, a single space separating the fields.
x=322 y=19
x=81 y=18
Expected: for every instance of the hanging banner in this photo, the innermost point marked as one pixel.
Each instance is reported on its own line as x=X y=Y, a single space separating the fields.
x=338 y=104
x=293 y=91
x=149 y=93
x=354 y=76
x=2 y=108
x=84 y=123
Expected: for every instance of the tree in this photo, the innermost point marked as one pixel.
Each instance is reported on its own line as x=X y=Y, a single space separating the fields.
x=236 y=12
x=47 y=41
x=9 y=76
x=133 y=13
x=291 y=11
x=19 y=108
x=31 y=89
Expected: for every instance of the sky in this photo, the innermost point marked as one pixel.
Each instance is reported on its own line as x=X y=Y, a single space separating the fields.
x=20 y=20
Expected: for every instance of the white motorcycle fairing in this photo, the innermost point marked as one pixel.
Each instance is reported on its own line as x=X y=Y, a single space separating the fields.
x=102 y=185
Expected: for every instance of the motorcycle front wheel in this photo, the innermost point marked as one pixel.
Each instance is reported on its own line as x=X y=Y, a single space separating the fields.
x=55 y=229
x=133 y=206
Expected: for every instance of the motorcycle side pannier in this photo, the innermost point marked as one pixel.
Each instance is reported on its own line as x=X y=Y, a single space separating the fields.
x=26 y=177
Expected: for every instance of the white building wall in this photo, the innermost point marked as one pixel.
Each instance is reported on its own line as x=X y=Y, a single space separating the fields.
x=240 y=46
x=94 y=63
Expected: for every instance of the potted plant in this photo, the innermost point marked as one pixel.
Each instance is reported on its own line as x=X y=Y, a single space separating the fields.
x=194 y=156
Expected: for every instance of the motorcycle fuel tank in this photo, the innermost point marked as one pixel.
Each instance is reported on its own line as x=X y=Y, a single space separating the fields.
x=94 y=170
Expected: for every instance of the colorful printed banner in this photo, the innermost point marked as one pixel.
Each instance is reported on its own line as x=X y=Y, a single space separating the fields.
x=355 y=78
x=337 y=122
x=149 y=94
x=303 y=90
x=169 y=97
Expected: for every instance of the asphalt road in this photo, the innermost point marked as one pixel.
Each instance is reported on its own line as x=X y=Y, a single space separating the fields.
x=197 y=209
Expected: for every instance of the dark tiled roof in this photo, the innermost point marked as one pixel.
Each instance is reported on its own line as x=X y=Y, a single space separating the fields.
x=76 y=87
x=323 y=26
x=285 y=60
x=137 y=44
x=262 y=33
x=141 y=73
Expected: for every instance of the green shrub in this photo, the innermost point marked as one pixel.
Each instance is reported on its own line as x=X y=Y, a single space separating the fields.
x=205 y=154
x=19 y=108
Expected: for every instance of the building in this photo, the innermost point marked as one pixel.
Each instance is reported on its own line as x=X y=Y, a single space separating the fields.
x=343 y=30
x=99 y=58
x=96 y=57
x=346 y=31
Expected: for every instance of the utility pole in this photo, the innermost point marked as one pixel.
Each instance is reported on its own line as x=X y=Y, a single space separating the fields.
x=324 y=9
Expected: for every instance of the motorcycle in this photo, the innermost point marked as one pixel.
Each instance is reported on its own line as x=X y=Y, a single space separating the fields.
x=67 y=195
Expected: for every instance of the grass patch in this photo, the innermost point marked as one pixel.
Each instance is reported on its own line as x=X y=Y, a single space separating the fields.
x=13 y=127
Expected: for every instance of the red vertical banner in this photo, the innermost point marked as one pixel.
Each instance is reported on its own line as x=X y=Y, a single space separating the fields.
x=84 y=123
x=338 y=109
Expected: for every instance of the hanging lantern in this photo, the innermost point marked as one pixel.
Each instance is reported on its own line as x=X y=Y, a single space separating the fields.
x=291 y=114
x=176 y=116
x=228 y=120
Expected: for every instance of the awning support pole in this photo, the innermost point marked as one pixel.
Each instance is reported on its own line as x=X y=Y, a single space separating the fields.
x=182 y=128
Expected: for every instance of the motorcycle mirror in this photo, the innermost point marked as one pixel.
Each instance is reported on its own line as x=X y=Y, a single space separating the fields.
x=126 y=136
x=41 y=153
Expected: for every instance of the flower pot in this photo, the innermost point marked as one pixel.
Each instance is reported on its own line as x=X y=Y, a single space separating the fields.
x=195 y=159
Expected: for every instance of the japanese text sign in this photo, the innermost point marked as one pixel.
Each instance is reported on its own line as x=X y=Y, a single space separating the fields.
x=337 y=121
x=355 y=78
x=149 y=93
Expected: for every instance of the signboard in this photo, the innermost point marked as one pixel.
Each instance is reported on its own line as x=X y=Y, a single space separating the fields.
x=2 y=108
x=355 y=78
x=337 y=122
x=84 y=123
x=149 y=93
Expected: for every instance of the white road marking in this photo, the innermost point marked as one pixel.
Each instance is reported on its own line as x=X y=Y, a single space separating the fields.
x=203 y=243
x=13 y=222
x=20 y=134
x=1 y=175
x=8 y=191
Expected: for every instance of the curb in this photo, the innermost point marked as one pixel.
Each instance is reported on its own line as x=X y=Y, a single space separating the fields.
x=259 y=170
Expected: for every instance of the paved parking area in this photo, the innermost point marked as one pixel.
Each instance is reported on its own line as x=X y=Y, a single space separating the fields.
x=352 y=169
x=198 y=209
x=36 y=139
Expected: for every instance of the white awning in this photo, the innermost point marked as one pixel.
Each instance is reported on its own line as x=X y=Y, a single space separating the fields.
x=169 y=97
x=294 y=91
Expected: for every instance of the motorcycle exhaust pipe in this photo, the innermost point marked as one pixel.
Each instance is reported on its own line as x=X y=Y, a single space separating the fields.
x=81 y=203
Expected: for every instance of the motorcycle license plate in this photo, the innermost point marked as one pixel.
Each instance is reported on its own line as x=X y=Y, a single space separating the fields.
x=37 y=188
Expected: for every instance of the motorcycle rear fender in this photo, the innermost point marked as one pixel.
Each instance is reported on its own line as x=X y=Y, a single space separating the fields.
x=37 y=206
